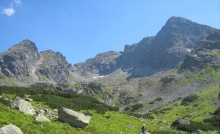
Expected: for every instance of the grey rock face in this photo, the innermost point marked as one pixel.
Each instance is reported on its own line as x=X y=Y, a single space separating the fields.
x=171 y=45
x=102 y=64
x=10 y=129
x=54 y=66
x=19 y=60
x=75 y=119
x=176 y=39
x=24 y=63
x=205 y=54
x=22 y=105
x=134 y=55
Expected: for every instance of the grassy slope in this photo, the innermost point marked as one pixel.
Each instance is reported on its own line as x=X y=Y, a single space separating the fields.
x=29 y=126
x=198 y=110
x=110 y=122
x=115 y=122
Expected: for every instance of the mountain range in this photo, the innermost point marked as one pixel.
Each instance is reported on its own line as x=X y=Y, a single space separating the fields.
x=181 y=59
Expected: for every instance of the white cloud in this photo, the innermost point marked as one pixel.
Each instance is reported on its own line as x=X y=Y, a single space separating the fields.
x=17 y=2
x=9 y=11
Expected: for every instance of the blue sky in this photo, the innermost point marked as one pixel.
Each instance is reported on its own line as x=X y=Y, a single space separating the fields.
x=80 y=29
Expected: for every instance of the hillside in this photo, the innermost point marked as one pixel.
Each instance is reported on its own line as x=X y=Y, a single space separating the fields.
x=159 y=121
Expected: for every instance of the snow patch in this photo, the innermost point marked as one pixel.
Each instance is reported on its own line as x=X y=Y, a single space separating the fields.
x=99 y=76
x=189 y=50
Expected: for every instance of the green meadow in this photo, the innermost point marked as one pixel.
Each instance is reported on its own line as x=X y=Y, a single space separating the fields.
x=105 y=119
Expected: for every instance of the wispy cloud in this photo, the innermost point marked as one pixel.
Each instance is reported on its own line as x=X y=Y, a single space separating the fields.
x=17 y=2
x=9 y=11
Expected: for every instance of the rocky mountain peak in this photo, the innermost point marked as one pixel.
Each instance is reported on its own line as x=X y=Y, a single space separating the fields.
x=179 y=25
x=101 y=64
x=52 y=58
x=25 y=45
x=54 y=66
x=177 y=20
x=175 y=40
x=154 y=54
x=19 y=60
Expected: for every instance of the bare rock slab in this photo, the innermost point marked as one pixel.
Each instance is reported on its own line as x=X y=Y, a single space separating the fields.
x=23 y=106
x=75 y=119
x=10 y=129
x=42 y=118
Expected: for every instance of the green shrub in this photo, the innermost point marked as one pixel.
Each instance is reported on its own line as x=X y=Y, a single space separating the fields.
x=127 y=108
x=189 y=99
x=136 y=107
x=158 y=99
x=215 y=121
x=5 y=101
x=194 y=126
x=163 y=132
x=152 y=102
x=217 y=112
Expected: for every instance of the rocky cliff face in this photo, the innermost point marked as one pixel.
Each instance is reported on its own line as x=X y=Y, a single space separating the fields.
x=24 y=63
x=205 y=54
x=19 y=61
x=170 y=46
x=175 y=40
x=102 y=64
x=55 y=67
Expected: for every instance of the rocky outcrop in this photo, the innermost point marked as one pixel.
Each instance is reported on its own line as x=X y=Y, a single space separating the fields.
x=55 y=67
x=205 y=54
x=75 y=119
x=45 y=112
x=10 y=129
x=134 y=55
x=40 y=117
x=22 y=105
x=19 y=61
x=102 y=64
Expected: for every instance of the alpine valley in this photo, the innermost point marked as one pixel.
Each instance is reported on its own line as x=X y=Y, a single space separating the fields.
x=156 y=76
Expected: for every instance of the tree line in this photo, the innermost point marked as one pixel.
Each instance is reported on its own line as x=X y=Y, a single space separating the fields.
x=58 y=99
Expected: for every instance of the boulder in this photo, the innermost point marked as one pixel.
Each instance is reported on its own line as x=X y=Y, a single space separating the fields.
x=180 y=121
x=10 y=129
x=22 y=105
x=42 y=118
x=183 y=121
x=75 y=119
